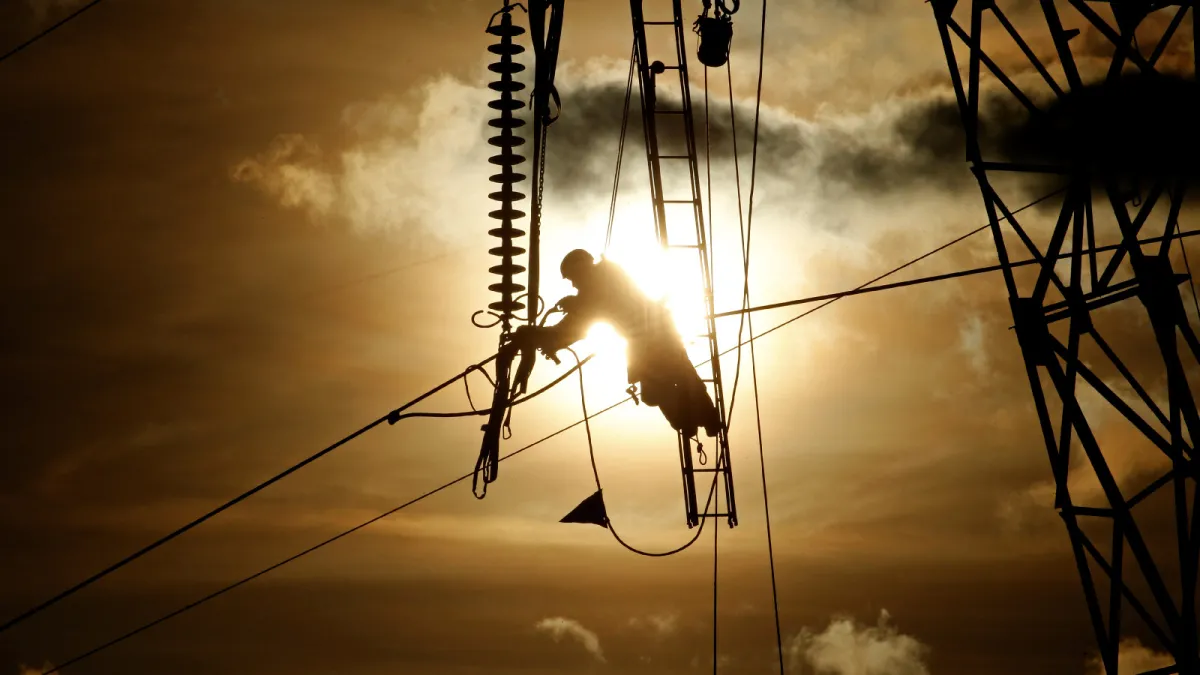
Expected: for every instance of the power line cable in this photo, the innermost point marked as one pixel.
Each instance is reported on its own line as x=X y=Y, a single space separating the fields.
x=762 y=461
x=62 y=22
x=392 y=417
x=712 y=266
x=737 y=181
x=902 y=267
x=861 y=290
x=311 y=549
x=716 y=531
x=612 y=205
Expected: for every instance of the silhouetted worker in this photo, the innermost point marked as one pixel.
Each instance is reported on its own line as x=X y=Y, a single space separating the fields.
x=656 y=356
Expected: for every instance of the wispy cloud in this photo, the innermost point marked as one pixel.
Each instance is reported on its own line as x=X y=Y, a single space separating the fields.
x=559 y=627
x=847 y=648
x=417 y=161
x=661 y=625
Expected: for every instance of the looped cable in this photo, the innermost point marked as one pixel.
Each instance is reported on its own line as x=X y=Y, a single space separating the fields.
x=506 y=428
x=476 y=322
x=540 y=305
x=394 y=416
x=467 y=384
x=587 y=425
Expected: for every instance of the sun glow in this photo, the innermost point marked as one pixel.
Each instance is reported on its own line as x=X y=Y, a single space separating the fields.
x=671 y=276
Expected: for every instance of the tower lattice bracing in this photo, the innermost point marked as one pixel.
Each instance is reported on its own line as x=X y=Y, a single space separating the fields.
x=1095 y=103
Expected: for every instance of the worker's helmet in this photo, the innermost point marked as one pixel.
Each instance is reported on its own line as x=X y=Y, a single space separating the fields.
x=575 y=263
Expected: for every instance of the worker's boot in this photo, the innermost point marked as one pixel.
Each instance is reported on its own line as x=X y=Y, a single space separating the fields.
x=702 y=410
x=712 y=425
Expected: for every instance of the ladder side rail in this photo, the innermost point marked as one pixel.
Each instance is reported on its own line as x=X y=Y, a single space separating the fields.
x=649 y=98
x=723 y=462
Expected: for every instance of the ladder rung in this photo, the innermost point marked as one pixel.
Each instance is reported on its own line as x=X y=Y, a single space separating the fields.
x=672 y=156
x=722 y=470
x=683 y=246
x=670 y=111
x=679 y=201
x=658 y=23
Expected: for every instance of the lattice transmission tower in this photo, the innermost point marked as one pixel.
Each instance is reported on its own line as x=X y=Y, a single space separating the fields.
x=1097 y=100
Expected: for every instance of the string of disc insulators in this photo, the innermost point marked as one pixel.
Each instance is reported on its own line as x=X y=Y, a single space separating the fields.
x=506 y=141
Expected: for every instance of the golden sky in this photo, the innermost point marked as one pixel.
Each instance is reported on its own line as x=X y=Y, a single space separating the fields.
x=236 y=231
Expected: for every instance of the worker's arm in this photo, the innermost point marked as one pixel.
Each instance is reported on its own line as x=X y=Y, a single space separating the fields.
x=571 y=329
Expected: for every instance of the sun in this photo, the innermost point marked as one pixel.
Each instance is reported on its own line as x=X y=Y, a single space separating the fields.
x=671 y=276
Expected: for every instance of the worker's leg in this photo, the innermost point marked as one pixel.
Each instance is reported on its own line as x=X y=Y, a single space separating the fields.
x=699 y=404
x=672 y=400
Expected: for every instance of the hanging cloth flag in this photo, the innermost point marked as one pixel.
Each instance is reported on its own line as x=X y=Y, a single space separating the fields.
x=590 y=510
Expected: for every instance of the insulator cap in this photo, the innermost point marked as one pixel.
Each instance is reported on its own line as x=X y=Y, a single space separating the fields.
x=506 y=123
x=507 y=195
x=507 y=141
x=508 y=176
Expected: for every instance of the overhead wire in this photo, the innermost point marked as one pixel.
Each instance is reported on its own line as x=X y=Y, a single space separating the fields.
x=712 y=260
x=860 y=290
x=737 y=181
x=903 y=267
x=311 y=549
x=392 y=417
x=612 y=205
x=746 y=248
x=58 y=24
x=460 y=479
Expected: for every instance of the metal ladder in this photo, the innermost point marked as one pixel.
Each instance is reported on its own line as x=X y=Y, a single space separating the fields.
x=650 y=75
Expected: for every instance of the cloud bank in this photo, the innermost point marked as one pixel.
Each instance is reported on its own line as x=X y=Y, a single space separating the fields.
x=422 y=158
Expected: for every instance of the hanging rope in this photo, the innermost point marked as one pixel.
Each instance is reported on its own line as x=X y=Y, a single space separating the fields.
x=716 y=530
x=587 y=425
x=712 y=259
x=737 y=175
x=612 y=205
x=750 y=326
x=712 y=248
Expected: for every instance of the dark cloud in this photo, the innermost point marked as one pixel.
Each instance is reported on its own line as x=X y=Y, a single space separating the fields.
x=919 y=145
x=1139 y=127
